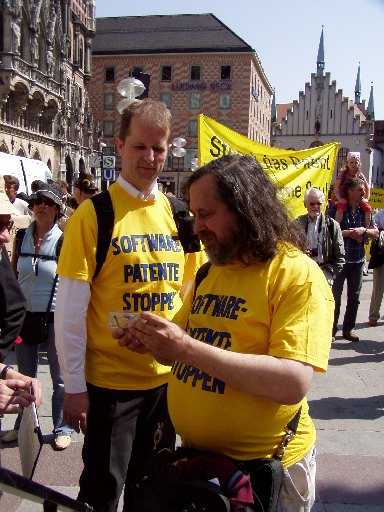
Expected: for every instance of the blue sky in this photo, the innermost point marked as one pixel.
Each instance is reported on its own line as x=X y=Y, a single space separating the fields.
x=286 y=34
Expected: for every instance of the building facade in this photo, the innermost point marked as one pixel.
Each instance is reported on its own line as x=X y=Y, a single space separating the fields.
x=194 y=64
x=322 y=115
x=45 y=48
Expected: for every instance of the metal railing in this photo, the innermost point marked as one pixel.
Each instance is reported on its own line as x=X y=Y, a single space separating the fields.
x=51 y=500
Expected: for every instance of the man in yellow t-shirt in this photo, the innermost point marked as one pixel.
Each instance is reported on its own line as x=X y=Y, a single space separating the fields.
x=116 y=398
x=258 y=327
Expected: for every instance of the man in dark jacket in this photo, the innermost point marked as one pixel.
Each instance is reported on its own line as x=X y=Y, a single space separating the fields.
x=324 y=239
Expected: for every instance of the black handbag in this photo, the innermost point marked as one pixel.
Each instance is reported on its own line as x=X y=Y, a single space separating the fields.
x=163 y=488
x=35 y=326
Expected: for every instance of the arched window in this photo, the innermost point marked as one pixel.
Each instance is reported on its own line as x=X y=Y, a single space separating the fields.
x=315 y=144
x=341 y=159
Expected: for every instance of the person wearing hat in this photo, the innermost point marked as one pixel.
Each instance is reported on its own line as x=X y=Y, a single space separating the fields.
x=352 y=170
x=85 y=187
x=36 y=262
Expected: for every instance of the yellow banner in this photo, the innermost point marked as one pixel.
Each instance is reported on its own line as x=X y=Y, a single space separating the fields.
x=292 y=171
x=376 y=199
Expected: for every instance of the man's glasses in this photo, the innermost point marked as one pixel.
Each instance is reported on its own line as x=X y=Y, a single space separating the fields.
x=44 y=200
x=6 y=225
x=317 y=203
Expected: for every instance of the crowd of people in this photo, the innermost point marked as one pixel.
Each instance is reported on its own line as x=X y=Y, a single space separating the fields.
x=241 y=346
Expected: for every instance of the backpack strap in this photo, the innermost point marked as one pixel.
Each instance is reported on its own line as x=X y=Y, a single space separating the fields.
x=105 y=220
x=201 y=274
x=330 y=226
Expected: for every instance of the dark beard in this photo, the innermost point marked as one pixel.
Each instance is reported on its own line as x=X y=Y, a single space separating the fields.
x=225 y=253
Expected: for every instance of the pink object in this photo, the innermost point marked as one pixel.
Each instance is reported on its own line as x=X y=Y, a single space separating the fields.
x=18 y=340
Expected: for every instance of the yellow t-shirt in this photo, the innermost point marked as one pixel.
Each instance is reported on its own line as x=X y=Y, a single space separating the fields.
x=282 y=308
x=143 y=271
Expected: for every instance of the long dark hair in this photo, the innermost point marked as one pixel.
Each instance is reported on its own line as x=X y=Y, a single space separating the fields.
x=263 y=220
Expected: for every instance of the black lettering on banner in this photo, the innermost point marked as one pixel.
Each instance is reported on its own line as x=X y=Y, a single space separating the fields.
x=215 y=144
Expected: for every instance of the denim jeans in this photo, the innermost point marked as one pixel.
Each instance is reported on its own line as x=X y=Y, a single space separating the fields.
x=353 y=273
x=27 y=362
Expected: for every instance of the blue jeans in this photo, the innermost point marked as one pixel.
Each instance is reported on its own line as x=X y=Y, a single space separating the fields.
x=27 y=362
x=353 y=273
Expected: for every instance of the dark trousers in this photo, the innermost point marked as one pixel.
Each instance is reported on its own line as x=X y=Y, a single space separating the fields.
x=124 y=428
x=353 y=274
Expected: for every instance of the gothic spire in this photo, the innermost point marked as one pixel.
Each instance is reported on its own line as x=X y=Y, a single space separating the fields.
x=320 y=55
x=371 y=107
x=358 y=87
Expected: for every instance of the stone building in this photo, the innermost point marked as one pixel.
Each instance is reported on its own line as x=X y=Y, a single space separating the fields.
x=45 y=52
x=194 y=63
x=322 y=114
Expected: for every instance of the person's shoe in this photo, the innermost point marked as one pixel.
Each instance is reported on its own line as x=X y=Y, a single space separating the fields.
x=373 y=323
x=10 y=436
x=62 y=442
x=365 y=272
x=333 y=338
x=351 y=336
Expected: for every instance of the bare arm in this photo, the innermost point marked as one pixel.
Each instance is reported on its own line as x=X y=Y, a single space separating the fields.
x=282 y=380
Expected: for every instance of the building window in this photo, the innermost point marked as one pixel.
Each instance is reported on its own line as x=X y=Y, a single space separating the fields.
x=225 y=100
x=109 y=128
x=194 y=100
x=195 y=73
x=109 y=75
x=166 y=73
x=192 y=128
x=225 y=73
x=227 y=123
x=166 y=98
x=109 y=101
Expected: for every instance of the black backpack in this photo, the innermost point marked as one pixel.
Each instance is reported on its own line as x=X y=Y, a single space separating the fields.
x=105 y=220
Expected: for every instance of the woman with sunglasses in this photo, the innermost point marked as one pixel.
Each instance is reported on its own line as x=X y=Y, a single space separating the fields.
x=35 y=263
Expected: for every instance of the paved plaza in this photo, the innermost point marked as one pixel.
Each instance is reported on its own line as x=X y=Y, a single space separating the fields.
x=346 y=403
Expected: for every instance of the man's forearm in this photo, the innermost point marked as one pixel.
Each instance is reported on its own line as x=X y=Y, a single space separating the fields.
x=71 y=331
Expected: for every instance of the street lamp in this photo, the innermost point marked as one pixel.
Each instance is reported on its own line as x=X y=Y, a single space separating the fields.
x=179 y=152
x=194 y=163
x=130 y=88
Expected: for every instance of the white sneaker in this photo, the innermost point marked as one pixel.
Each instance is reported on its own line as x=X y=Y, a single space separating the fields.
x=10 y=436
x=62 y=442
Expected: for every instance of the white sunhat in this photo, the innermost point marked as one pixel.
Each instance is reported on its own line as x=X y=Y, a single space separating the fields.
x=6 y=207
x=353 y=154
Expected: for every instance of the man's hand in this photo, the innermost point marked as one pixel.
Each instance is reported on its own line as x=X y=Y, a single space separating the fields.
x=357 y=234
x=14 y=393
x=163 y=339
x=75 y=410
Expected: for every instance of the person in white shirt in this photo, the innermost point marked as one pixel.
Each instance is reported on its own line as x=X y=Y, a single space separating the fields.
x=12 y=186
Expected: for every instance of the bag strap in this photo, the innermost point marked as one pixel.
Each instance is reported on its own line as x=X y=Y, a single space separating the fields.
x=105 y=220
x=51 y=296
x=201 y=274
x=290 y=433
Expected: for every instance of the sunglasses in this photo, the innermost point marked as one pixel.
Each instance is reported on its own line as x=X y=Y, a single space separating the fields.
x=6 y=225
x=44 y=200
x=316 y=203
